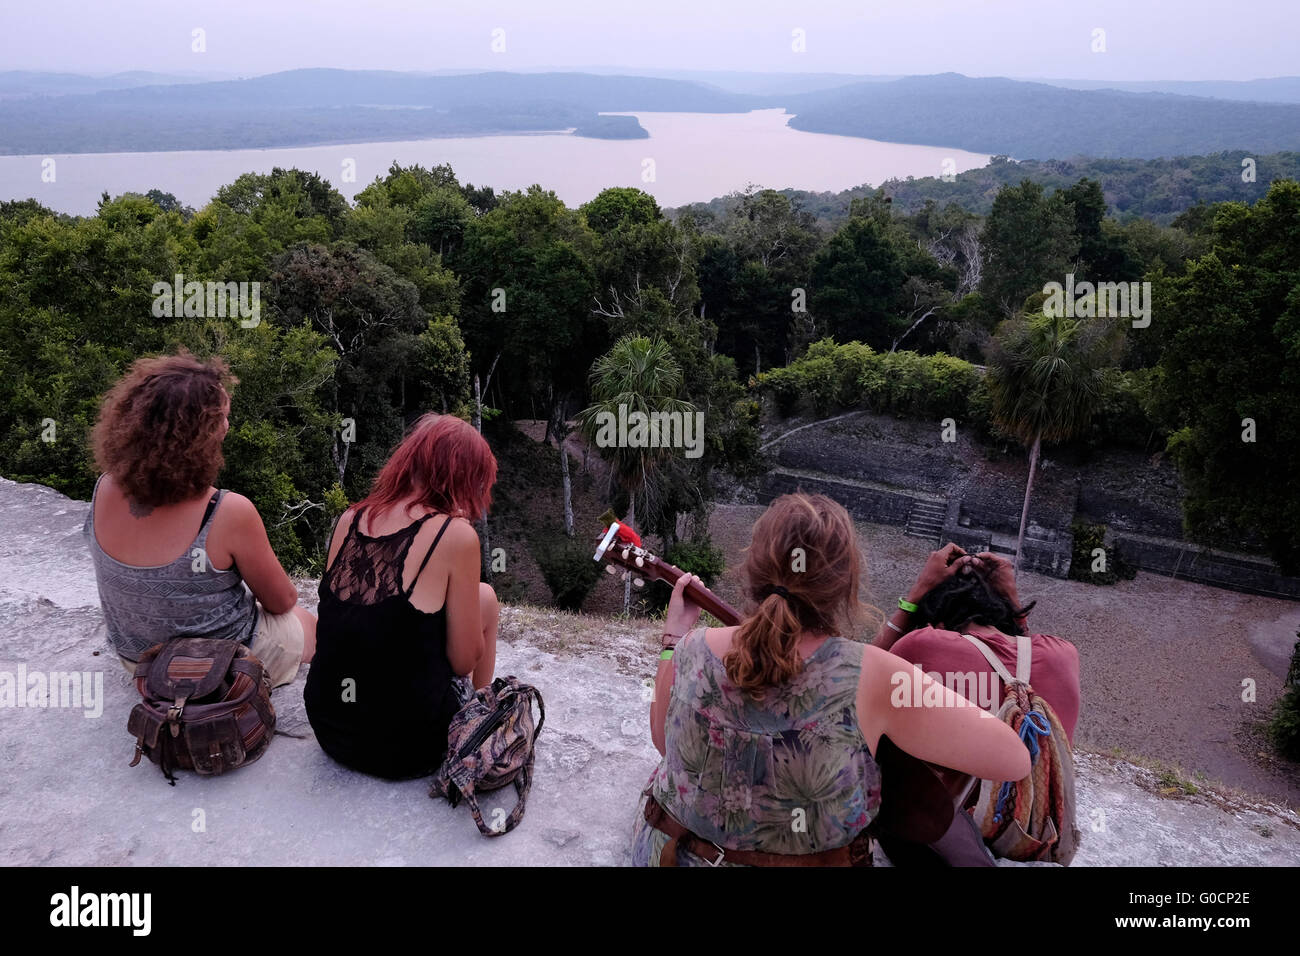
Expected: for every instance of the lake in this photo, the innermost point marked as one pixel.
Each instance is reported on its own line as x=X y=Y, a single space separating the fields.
x=689 y=157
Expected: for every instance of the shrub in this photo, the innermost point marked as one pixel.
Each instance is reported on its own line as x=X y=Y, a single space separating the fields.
x=696 y=556
x=853 y=375
x=1284 y=729
x=567 y=569
x=1087 y=538
x=1121 y=417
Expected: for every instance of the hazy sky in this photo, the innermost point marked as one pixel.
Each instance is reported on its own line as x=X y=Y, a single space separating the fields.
x=1144 y=39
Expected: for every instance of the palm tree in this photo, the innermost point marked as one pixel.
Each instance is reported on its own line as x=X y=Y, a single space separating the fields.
x=637 y=374
x=1044 y=378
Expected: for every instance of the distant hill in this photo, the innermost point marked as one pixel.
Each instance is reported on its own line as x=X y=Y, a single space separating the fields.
x=318 y=106
x=1155 y=189
x=332 y=88
x=753 y=83
x=306 y=107
x=32 y=83
x=1038 y=121
x=1280 y=89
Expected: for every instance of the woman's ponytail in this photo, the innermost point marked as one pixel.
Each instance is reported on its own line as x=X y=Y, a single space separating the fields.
x=802 y=569
x=765 y=650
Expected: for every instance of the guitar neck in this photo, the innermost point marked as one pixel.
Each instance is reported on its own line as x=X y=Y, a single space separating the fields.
x=699 y=594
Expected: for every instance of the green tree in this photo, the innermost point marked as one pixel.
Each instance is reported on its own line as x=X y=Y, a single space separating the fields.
x=769 y=242
x=1230 y=331
x=1045 y=381
x=1029 y=240
x=637 y=375
x=856 y=279
x=372 y=320
x=528 y=316
x=621 y=206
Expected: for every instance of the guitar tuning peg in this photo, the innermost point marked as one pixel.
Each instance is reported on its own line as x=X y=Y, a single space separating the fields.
x=627 y=553
x=638 y=583
x=610 y=569
x=640 y=561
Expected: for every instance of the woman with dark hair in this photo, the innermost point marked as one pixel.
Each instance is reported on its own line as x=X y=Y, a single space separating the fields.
x=173 y=554
x=981 y=600
x=769 y=729
x=402 y=612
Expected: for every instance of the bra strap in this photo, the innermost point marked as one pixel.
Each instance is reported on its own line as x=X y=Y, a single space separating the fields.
x=428 y=555
x=212 y=506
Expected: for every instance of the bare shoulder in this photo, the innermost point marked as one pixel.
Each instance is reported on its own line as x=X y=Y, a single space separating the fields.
x=239 y=508
x=460 y=535
x=718 y=638
x=879 y=664
x=344 y=522
x=873 y=656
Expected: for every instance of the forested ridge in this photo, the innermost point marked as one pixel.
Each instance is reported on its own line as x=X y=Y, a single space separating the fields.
x=429 y=293
x=990 y=115
x=1155 y=189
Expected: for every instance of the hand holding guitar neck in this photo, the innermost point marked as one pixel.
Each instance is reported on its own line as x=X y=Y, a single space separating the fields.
x=621 y=545
x=917 y=799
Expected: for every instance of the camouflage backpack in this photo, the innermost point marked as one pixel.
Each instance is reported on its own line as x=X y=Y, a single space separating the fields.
x=206 y=707
x=489 y=745
x=1033 y=818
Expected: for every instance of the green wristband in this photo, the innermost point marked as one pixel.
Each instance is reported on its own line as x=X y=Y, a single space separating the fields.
x=907 y=605
x=666 y=655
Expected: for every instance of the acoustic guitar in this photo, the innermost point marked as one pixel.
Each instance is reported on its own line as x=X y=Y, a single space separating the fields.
x=918 y=799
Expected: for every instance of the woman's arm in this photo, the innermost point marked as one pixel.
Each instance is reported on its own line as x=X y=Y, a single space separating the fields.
x=954 y=733
x=253 y=555
x=663 y=691
x=681 y=617
x=464 y=617
x=1002 y=579
x=940 y=566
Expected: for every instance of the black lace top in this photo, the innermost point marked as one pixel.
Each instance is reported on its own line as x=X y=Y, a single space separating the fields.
x=380 y=694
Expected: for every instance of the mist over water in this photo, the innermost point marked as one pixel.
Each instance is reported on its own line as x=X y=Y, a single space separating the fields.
x=696 y=157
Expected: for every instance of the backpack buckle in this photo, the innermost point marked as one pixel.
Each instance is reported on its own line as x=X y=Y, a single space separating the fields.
x=722 y=855
x=174 y=716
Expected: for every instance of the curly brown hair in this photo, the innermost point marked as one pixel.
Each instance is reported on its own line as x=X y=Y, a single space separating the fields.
x=161 y=426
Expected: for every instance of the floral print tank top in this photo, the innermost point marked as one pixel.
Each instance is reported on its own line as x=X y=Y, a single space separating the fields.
x=790 y=773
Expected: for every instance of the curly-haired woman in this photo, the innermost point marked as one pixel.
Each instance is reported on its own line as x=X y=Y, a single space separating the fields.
x=173 y=554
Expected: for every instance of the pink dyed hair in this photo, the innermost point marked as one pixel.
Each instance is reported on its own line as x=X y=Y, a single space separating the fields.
x=443 y=463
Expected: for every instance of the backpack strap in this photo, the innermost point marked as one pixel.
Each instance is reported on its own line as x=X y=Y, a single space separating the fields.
x=1024 y=657
x=427 y=556
x=997 y=664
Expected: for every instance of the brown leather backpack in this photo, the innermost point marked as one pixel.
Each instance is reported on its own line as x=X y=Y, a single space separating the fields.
x=206 y=708
x=490 y=745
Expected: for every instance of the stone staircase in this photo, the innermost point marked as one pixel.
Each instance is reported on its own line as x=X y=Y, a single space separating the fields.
x=925 y=519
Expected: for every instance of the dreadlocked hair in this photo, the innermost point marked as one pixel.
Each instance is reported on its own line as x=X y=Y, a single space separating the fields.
x=968 y=598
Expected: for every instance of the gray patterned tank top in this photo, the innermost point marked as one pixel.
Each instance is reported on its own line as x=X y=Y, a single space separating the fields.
x=187 y=598
x=790 y=773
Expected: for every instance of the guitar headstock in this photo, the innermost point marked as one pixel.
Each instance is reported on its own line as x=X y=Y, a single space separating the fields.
x=621 y=545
